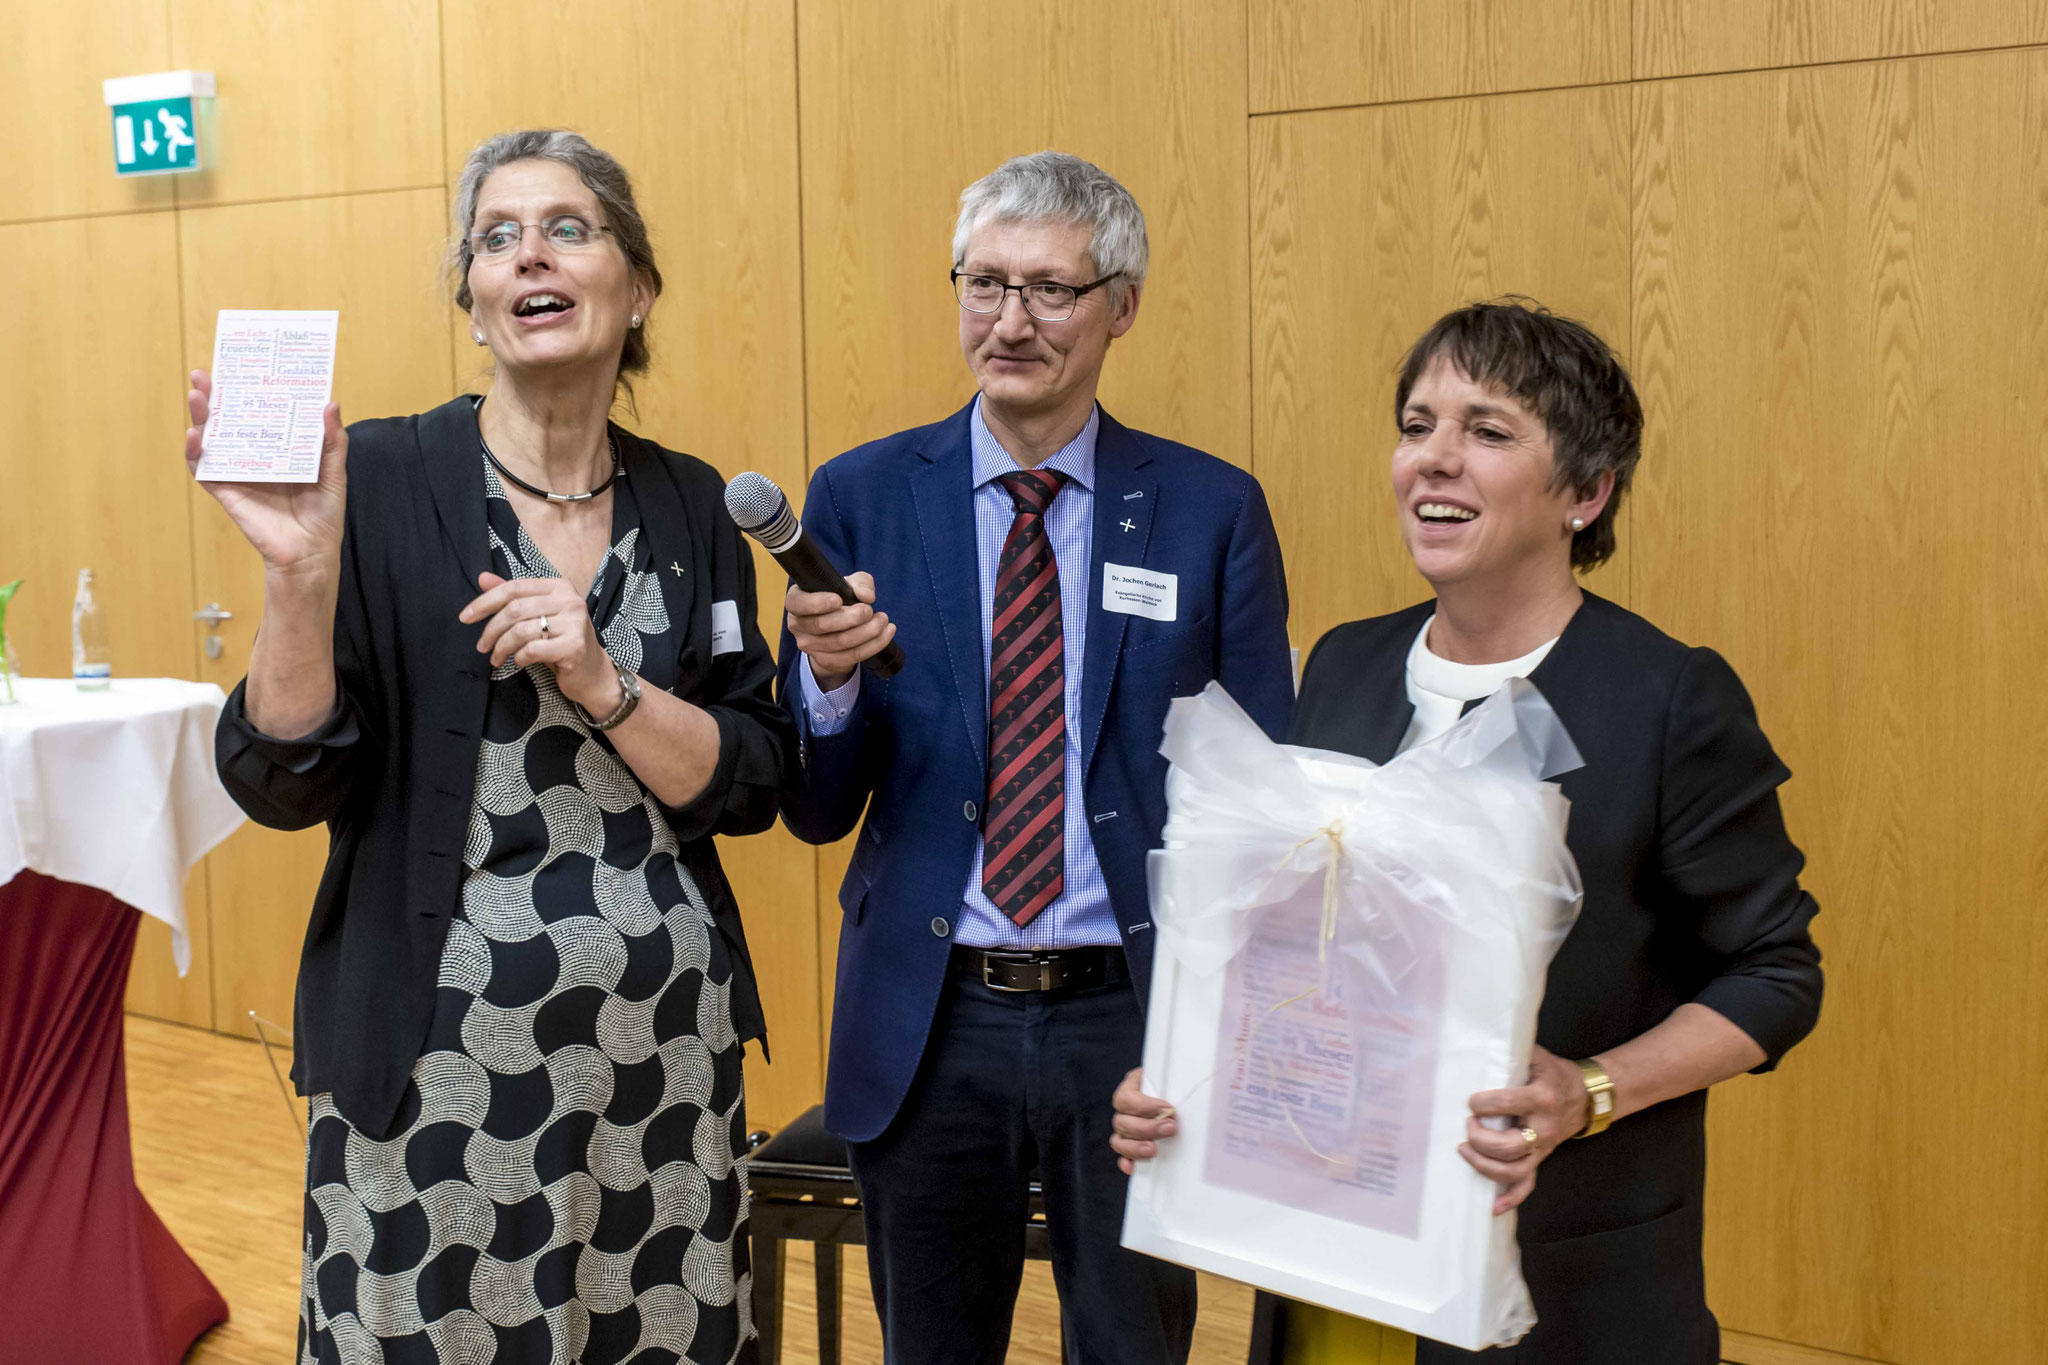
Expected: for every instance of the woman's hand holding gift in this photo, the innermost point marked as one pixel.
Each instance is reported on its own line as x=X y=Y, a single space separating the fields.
x=1549 y=1110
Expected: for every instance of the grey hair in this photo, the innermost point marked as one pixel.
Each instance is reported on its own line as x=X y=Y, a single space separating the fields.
x=1053 y=187
x=600 y=173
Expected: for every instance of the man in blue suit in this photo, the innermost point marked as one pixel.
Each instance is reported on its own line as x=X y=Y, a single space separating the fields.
x=1055 y=579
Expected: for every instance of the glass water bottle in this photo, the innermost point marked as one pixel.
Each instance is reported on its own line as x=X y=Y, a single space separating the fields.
x=92 y=662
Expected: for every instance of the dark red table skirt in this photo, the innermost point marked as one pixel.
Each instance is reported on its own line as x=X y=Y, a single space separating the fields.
x=88 y=1274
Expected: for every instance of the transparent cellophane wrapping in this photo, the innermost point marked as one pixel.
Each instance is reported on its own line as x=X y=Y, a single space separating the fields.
x=1346 y=953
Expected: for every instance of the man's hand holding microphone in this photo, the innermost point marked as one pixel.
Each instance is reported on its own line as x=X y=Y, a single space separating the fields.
x=835 y=636
x=833 y=618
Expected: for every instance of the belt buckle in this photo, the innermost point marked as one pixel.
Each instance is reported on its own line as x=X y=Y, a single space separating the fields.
x=1045 y=965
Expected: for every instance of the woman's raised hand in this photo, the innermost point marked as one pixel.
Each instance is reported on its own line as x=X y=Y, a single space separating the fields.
x=296 y=527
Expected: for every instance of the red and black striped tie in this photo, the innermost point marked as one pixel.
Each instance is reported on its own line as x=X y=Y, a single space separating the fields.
x=1023 y=866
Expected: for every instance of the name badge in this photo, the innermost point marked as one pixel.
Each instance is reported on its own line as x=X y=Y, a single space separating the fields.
x=1141 y=592
x=725 y=628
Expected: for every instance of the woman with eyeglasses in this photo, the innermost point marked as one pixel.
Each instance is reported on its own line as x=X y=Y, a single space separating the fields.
x=509 y=656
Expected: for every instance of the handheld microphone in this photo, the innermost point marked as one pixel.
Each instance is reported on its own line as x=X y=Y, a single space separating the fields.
x=759 y=508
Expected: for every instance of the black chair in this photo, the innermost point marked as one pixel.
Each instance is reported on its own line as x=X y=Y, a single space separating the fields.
x=803 y=1191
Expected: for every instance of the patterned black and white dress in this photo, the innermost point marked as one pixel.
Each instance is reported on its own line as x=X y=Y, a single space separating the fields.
x=564 y=1184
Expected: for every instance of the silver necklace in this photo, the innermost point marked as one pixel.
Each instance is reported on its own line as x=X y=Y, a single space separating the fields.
x=610 y=441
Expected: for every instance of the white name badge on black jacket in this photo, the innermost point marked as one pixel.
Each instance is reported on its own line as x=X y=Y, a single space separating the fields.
x=725 y=628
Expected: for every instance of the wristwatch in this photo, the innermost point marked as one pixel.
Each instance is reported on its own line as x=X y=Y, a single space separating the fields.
x=1599 y=1099
x=629 y=698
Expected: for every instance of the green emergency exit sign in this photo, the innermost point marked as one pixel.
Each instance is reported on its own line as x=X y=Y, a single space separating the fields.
x=158 y=121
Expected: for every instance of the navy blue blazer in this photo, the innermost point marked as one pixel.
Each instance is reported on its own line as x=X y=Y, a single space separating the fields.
x=913 y=756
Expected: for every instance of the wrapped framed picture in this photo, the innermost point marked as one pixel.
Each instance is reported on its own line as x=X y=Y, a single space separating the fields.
x=1346 y=952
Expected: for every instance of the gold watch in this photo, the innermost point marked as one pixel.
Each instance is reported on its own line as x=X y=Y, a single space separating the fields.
x=1599 y=1099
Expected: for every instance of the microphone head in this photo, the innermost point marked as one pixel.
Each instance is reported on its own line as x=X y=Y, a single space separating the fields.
x=753 y=499
x=759 y=508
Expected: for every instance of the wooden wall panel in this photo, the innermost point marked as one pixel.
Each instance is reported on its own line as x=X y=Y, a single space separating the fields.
x=95 y=377
x=699 y=103
x=60 y=142
x=1681 y=37
x=905 y=105
x=1315 y=54
x=315 y=97
x=1840 y=340
x=154 y=986
x=373 y=257
x=1369 y=224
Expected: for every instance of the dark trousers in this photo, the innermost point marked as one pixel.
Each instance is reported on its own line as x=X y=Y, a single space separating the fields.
x=1010 y=1083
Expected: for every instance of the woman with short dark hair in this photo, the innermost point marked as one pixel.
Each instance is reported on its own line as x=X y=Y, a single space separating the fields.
x=1690 y=963
x=509 y=656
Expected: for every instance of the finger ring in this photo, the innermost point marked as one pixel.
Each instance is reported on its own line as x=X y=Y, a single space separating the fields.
x=543 y=625
x=1529 y=1137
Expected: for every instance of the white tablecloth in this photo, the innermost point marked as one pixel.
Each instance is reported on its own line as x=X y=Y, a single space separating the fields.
x=114 y=790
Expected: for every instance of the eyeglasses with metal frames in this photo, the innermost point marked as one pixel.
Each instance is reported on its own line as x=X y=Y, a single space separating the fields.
x=1046 y=300
x=564 y=231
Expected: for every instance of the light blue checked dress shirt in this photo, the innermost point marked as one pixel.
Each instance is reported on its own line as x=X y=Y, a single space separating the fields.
x=1082 y=914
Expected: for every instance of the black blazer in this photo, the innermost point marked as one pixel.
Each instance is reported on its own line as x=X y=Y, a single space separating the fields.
x=394 y=772
x=1692 y=894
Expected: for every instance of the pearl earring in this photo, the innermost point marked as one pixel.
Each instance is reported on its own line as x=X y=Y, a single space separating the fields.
x=477 y=337
x=1578 y=523
x=636 y=319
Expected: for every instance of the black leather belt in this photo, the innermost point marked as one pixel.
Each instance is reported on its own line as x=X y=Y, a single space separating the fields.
x=1061 y=969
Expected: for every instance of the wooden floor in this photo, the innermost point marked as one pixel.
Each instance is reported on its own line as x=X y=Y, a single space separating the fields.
x=220 y=1158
